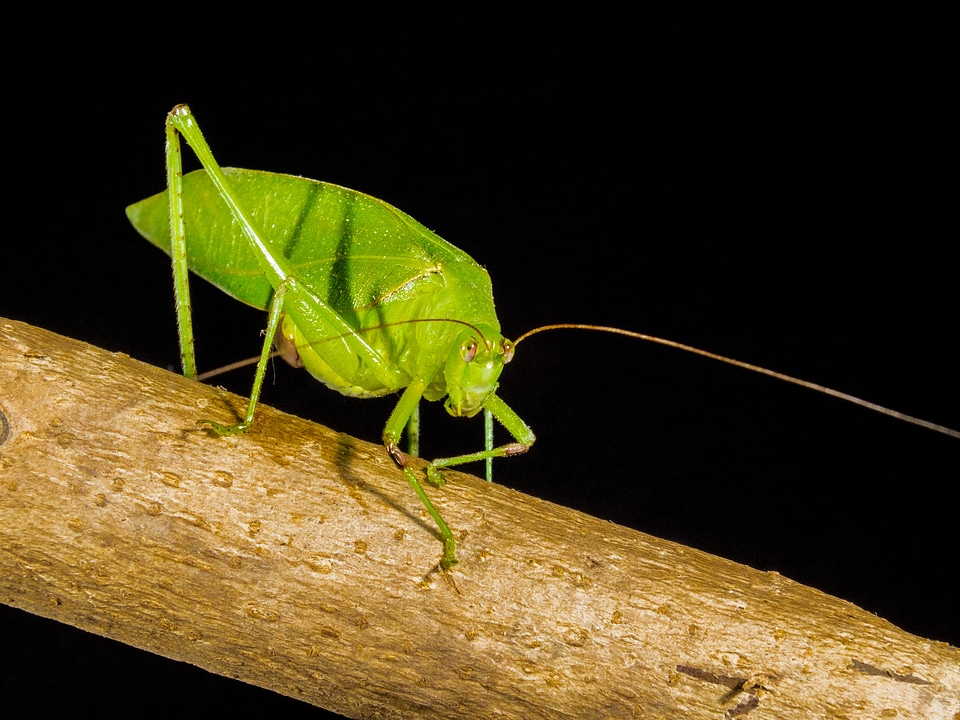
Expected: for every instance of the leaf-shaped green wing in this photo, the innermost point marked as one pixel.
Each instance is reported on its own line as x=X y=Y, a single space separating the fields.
x=352 y=250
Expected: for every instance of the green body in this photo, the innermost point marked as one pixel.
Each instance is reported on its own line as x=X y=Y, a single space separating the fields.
x=367 y=299
x=374 y=266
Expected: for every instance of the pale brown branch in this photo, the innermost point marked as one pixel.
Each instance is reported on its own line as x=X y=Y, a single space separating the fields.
x=297 y=559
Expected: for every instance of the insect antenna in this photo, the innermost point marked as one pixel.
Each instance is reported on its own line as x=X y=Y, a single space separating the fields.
x=747 y=366
x=427 y=320
x=201 y=377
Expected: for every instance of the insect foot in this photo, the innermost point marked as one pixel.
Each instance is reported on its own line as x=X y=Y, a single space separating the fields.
x=221 y=429
x=435 y=477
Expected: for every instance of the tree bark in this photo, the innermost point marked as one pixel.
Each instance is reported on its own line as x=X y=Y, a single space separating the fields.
x=297 y=559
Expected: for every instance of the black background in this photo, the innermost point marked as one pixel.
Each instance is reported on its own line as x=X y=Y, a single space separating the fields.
x=766 y=187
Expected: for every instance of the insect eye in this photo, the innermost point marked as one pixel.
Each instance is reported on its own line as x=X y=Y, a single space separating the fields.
x=507 y=351
x=468 y=351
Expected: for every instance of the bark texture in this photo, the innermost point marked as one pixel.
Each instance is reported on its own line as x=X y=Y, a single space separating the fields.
x=297 y=559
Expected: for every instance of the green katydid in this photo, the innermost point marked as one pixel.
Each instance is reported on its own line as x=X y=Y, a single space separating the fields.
x=363 y=296
x=360 y=294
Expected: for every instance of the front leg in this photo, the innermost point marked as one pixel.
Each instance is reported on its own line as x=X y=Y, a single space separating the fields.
x=398 y=419
x=520 y=431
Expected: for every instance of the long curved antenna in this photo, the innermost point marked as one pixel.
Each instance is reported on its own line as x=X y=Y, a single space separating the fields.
x=747 y=366
x=254 y=360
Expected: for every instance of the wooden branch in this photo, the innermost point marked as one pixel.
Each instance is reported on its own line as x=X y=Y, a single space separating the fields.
x=297 y=559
